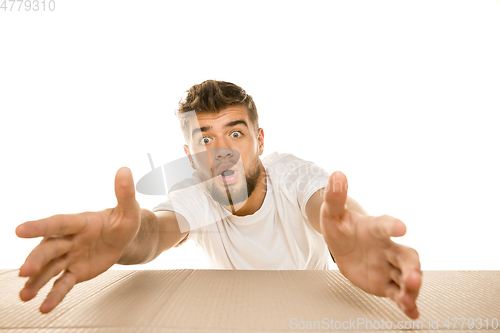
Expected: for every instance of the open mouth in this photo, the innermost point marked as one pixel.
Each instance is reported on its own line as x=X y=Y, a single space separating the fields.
x=228 y=177
x=227 y=173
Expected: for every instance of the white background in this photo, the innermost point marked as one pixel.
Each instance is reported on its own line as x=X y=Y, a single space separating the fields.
x=402 y=96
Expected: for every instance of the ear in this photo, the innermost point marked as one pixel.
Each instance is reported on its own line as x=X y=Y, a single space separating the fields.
x=188 y=153
x=260 y=140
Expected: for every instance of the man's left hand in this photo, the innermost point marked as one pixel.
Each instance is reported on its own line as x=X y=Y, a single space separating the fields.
x=364 y=252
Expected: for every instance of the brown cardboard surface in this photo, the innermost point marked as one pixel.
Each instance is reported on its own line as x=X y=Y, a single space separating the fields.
x=242 y=301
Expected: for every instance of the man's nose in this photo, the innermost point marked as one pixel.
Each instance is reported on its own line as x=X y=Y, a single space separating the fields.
x=223 y=153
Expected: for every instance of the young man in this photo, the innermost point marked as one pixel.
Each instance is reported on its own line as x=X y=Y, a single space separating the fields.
x=246 y=213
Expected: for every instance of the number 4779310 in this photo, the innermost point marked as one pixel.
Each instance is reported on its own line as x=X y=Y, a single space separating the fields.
x=470 y=323
x=28 y=5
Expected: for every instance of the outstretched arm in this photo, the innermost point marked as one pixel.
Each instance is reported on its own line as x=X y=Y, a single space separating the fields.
x=84 y=245
x=362 y=245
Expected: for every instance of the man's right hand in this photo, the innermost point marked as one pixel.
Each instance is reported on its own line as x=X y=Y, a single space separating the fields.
x=81 y=246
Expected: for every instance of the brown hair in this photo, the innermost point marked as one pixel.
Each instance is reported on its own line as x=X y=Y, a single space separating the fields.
x=212 y=96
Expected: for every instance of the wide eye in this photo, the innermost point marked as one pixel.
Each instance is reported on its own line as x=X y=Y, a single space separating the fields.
x=236 y=135
x=205 y=140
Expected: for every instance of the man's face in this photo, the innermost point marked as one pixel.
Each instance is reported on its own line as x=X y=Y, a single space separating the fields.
x=225 y=150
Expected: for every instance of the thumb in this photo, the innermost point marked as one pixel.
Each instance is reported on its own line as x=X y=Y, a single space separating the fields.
x=336 y=195
x=125 y=189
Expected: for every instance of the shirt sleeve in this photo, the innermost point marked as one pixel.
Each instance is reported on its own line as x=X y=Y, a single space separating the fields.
x=311 y=178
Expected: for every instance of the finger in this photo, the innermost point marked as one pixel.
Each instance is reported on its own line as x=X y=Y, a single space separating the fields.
x=61 y=287
x=35 y=283
x=407 y=261
x=395 y=275
x=125 y=190
x=413 y=313
x=41 y=255
x=56 y=225
x=405 y=298
x=336 y=195
x=395 y=293
x=408 y=302
x=384 y=227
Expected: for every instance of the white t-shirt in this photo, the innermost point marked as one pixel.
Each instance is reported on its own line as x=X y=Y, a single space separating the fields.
x=277 y=236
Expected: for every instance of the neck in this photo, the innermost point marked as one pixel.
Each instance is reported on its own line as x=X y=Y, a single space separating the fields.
x=255 y=200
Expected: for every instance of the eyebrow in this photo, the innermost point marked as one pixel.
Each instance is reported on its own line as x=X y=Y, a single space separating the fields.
x=230 y=124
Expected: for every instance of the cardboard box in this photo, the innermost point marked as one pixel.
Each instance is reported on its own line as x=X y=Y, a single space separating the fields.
x=189 y=300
